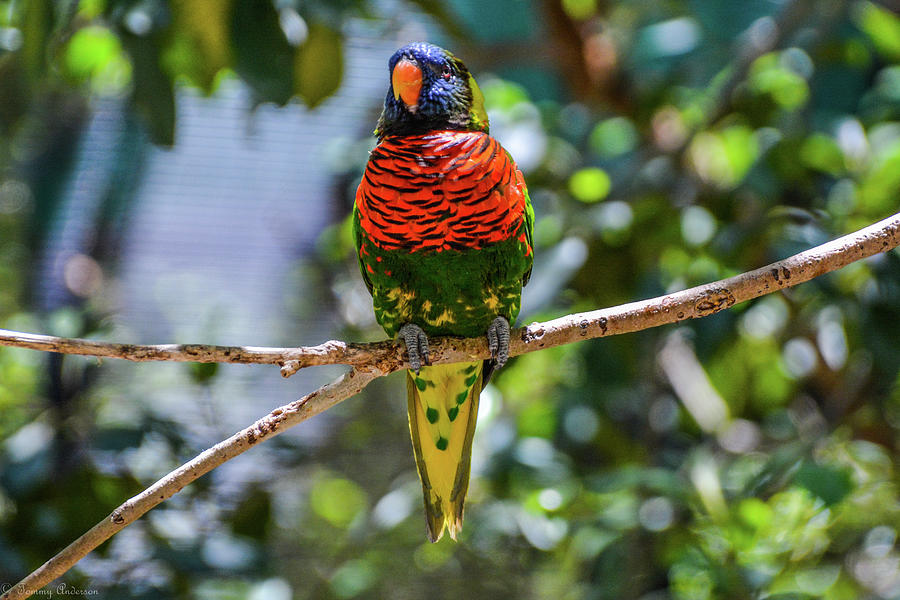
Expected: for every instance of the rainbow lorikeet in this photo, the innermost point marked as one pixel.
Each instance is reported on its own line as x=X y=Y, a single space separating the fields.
x=443 y=227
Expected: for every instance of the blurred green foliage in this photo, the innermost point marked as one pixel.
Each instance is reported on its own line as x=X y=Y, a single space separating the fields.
x=143 y=48
x=665 y=145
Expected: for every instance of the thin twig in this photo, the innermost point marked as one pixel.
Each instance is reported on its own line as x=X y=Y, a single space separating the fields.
x=270 y=425
x=206 y=353
x=374 y=360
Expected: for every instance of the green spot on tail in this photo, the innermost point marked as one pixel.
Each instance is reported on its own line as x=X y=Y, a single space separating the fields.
x=469 y=370
x=442 y=443
x=420 y=383
x=453 y=412
x=462 y=397
x=471 y=379
x=432 y=415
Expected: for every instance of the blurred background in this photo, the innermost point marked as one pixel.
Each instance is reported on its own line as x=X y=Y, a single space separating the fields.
x=183 y=171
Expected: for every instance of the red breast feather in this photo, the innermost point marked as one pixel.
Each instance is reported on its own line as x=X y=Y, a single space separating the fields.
x=446 y=190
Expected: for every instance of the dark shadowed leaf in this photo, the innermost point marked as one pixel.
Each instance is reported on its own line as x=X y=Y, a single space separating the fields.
x=262 y=54
x=828 y=483
x=154 y=93
x=252 y=516
x=37 y=24
x=13 y=93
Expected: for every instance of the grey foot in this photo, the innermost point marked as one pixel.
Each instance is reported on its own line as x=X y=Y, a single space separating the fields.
x=416 y=345
x=498 y=341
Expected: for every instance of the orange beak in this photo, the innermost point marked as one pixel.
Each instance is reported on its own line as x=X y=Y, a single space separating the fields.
x=407 y=82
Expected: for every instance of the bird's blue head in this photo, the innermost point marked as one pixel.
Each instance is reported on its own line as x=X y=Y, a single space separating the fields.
x=430 y=89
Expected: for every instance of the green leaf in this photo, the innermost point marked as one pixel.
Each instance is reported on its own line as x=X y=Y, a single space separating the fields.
x=768 y=75
x=755 y=513
x=590 y=185
x=14 y=96
x=89 y=49
x=319 y=65
x=262 y=54
x=252 y=515
x=537 y=419
x=352 y=578
x=90 y=9
x=203 y=373
x=881 y=26
x=829 y=483
x=154 y=93
x=200 y=46
x=94 y=54
x=36 y=27
x=613 y=137
x=580 y=10
x=822 y=153
x=879 y=188
x=502 y=95
x=337 y=500
x=724 y=157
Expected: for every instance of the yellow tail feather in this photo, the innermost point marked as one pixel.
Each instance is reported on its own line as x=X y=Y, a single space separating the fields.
x=443 y=405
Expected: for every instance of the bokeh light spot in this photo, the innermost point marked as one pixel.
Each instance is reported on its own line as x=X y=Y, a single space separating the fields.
x=590 y=184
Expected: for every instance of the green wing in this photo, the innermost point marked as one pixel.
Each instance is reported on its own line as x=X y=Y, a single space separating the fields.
x=359 y=239
x=529 y=234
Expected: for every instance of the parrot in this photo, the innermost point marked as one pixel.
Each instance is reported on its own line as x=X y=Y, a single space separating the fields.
x=442 y=223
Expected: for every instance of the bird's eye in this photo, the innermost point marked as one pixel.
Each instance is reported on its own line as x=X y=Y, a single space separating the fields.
x=446 y=73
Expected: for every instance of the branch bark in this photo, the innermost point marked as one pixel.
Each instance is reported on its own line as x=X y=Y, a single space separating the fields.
x=390 y=356
x=373 y=360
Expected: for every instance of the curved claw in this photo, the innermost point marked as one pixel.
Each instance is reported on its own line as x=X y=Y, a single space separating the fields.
x=416 y=346
x=498 y=341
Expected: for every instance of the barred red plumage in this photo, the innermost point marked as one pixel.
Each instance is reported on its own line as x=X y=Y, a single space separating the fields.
x=445 y=190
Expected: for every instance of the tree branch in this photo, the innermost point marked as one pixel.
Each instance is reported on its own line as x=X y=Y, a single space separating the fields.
x=373 y=360
x=268 y=426
x=390 y=356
